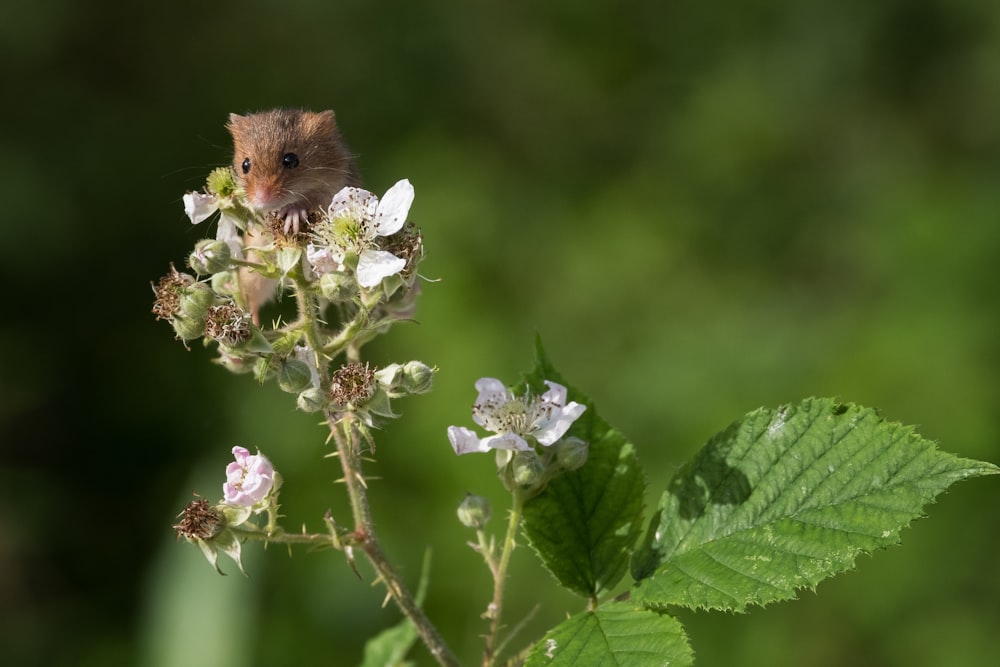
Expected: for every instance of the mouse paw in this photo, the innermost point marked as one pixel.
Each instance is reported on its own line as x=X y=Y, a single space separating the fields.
x=294 y=216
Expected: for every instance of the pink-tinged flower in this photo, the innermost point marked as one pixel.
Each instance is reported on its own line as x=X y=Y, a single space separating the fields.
x=514 y=419
x=248 y=479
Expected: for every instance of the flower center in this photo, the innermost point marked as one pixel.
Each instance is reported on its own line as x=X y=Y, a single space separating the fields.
x=502 y=413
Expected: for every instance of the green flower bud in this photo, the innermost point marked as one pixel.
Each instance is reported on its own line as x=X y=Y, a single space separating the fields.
x=337 y=286
x=474 y=511
x=417 y=377
x=188 y=328
x=313 y=399
x=294 y=376
x=194 y=301
x=209 y=256
x=226 y=283
x=527 y=470
x=571 y=452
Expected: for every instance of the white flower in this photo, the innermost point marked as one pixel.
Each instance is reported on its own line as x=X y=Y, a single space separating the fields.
x=248 y=479
x=513 y=419
x=368 y=219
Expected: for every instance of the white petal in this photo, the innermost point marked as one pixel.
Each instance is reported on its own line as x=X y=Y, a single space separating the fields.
x=560 y=421
x=505 y=441
x=374 y=265
x=324 y=259
x=354 y=203
x=556 y=393
x=199 y=206
x=489 y=386
x=228 y=232
x=464 y=440
x=393 y=209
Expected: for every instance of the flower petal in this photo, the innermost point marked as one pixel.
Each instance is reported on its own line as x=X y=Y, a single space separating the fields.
x=556 y=393
x=507 y=441
x=390 y=216
x=354 y=203
x=374 y=265
x=558 y=423
x=465 y=440
x=324 y=259
x=199 y=206
x=228 y=232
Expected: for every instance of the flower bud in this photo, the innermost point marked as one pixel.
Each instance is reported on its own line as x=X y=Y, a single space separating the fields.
x=527 y=470
x=313 y=399
x=337 y=286
x=571 y=452
x=417 y=377
x=474 y=511
x=209 y=256
x=294 y=376
x=226 y=283
x=194 y=301
x=188 y=328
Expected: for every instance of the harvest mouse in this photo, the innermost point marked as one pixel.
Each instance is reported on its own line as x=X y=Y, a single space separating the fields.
x=288 y=161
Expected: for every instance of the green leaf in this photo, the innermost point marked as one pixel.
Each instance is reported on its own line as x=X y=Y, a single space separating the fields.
x=389 y=647
x=584 y=524
x=619 y=635
x=784 y=499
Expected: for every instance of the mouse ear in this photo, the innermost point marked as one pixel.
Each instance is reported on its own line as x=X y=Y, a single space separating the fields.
x=234 y=120
x=324 y=121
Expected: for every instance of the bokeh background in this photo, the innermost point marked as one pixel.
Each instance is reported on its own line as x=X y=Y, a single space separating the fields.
x=702 y=207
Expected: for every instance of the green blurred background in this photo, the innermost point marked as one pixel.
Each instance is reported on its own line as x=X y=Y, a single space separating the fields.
x=702 y=207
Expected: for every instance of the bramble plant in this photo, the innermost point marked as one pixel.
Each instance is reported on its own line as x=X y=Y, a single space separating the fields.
x=778 y=501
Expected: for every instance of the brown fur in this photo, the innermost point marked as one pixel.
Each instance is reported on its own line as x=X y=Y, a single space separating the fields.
x=325 y=165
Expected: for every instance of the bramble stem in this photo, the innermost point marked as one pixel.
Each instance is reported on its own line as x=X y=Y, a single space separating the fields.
x=347 y=438
x=495 y=609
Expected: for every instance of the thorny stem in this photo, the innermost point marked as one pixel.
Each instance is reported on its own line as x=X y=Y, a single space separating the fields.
x=346 y=436
x=495 y=609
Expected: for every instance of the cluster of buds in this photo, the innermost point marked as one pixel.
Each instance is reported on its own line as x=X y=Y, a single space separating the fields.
x=353 y=271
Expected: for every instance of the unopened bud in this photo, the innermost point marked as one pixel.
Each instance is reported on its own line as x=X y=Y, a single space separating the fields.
x=209 y=256
x=226 y=283
x=571 y=452
x=527 y=469
x=474 y=511
x=194 y=301
x=417 y=377
x=188 y=328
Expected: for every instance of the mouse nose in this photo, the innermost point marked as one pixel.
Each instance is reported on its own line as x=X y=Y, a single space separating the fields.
x=263 y=197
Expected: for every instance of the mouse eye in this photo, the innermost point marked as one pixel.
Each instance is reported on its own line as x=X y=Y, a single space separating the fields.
x=246 y=166
x=290 y=160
